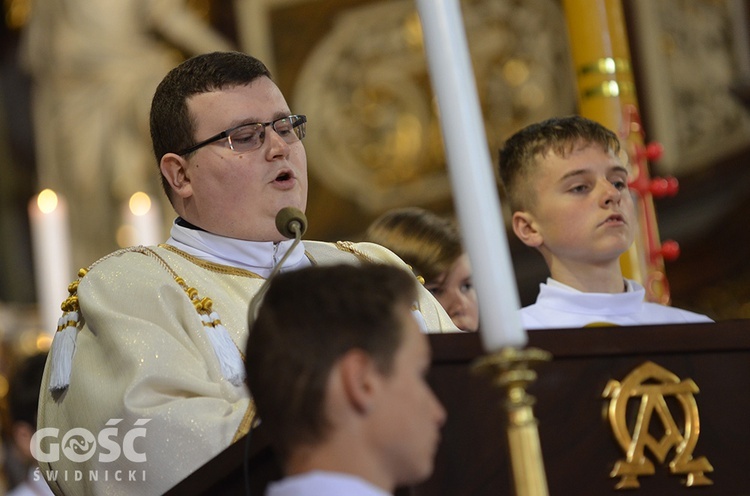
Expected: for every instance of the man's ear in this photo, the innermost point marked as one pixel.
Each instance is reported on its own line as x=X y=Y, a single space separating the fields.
x=174 y=169
x=526 y=229
x=359 y=376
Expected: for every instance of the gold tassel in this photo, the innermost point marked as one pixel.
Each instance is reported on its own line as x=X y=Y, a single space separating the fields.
x=64 y=343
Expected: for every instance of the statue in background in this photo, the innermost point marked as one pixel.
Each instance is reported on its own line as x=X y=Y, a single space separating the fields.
x=94 y=66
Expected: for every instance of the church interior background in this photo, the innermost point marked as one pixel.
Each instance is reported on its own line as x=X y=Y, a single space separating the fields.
x=357 y=69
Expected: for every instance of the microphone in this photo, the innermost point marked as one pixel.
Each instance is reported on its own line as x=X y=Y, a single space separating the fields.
x=291 y=223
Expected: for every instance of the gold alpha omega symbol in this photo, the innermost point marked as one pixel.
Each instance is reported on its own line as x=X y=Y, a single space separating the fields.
x=651 y=383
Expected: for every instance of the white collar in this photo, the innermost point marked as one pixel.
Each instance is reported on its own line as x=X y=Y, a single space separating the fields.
x=629 y=286
x=259 y=257
x=322 y=483
x=559 y=296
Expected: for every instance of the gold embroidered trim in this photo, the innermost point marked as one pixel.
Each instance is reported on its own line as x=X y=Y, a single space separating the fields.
x=71 y=302
x=349 y=247
x=204 y=306
x=247 y=422
x=222 y=269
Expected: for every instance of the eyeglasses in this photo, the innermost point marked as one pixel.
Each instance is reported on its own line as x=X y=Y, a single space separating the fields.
x=247 y=137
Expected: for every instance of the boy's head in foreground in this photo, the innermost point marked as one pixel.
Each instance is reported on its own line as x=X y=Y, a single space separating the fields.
x=568 y=191
x=337 y=366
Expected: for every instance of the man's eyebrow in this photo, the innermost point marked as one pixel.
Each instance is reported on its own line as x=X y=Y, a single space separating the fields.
x=240 y=122
x=254 y=120
x=282 y=113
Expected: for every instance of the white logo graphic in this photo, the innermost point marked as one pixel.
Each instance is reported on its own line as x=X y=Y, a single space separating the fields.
x=80 y=445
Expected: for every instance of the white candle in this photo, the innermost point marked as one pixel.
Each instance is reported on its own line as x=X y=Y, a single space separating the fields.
x=471 y=171
x=48 y=218
x=141 y=222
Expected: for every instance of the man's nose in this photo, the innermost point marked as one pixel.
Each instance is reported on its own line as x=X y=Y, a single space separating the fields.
x=276 y=144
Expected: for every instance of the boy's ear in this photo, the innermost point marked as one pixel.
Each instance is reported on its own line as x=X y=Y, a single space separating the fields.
x=174 y=169
x=526 y=229
x=359 y=377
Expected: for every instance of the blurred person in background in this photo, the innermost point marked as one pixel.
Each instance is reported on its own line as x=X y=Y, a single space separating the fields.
x=23 y=398
x=431 y=245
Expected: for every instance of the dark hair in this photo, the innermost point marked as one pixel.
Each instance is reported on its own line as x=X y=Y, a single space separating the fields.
x=172 y=126
x=308 y=320
x=427 y=242
x=518 y=157
x=23 y=392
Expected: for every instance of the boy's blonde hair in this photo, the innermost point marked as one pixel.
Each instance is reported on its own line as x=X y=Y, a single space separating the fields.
x=519 y=155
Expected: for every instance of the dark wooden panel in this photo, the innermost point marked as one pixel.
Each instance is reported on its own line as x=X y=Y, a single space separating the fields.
x=578 y=447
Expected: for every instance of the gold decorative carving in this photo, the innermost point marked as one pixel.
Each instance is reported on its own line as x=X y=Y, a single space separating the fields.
x=691 y=53
x=376 y=136
x=650 y=384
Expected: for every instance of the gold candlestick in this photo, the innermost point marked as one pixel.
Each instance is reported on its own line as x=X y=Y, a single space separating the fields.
x=511 y=369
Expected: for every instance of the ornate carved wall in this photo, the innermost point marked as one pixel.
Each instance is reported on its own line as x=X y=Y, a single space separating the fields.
x=692 y=52
x=375 y=135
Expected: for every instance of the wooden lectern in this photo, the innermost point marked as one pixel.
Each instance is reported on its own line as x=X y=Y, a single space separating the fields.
x=673 y=396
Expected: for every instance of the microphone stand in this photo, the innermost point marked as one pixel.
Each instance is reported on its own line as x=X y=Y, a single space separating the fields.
x=296 y=227
x=290 y=222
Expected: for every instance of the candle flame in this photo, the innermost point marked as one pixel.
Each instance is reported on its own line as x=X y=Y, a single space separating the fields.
x=47 y=201
x=140 y=203
x=43 y=342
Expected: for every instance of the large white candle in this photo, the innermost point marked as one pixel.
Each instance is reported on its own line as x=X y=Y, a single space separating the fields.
x=470 y=168
x=48 y=218
x=141 y=218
